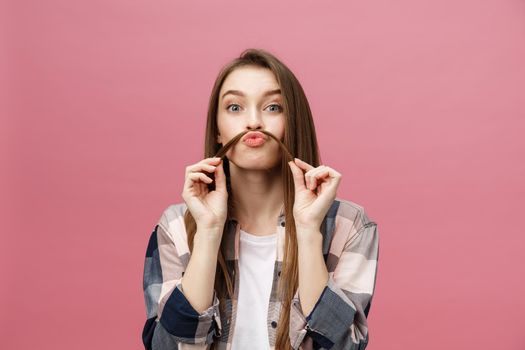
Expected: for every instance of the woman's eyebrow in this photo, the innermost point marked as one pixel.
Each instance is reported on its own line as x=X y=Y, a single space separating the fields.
x=240 y=93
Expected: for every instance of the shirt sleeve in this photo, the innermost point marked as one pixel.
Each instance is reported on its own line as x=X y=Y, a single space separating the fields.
x=339 y=317
x=171 y=320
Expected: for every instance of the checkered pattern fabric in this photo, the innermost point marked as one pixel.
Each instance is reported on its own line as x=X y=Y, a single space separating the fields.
x=337 y=321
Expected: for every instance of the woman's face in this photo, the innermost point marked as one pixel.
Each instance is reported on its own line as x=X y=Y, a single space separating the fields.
x=250 y=100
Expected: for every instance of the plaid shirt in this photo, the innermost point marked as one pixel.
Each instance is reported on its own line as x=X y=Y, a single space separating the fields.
x=337 y=321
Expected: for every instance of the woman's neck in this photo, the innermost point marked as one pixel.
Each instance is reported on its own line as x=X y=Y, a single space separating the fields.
x=258 y=195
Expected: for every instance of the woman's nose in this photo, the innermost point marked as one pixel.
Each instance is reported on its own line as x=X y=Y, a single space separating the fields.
x=254 y=119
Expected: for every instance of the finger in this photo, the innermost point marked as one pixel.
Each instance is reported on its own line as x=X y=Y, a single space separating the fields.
x=298 y=177
x=303 y=165
x=213 y=160
x=195 y=177
x=323 y=168
x=206 y=163
x=311 y=176
x=306 y=167
x=192 y=185
x=203 y=167
x=318 y=176
x=220 y=178
x=327 y=172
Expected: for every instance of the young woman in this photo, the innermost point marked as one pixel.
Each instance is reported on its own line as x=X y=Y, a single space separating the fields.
x=261 y=254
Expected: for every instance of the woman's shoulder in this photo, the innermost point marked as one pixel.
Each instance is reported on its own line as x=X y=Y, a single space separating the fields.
x=351 y=215
x=173 y=212
x=342 y=209
x=171 y=221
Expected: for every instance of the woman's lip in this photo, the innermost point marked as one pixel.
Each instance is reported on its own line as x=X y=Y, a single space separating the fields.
x=252 y=134
x=254 y=141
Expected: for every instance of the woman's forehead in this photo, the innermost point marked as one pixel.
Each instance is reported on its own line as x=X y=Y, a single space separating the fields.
x=250 y=81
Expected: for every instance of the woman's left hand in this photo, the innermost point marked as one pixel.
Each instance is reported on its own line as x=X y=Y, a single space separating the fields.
x=315 y=191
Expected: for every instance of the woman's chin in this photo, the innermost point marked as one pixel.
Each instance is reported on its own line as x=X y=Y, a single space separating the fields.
x=255 y=163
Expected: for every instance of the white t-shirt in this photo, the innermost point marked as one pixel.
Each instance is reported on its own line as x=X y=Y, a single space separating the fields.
x=256 y=264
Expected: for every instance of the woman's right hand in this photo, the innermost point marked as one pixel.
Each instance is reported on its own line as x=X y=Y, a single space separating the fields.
x=208 y=208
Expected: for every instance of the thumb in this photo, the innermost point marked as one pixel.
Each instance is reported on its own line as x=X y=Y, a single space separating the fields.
x=298 y=176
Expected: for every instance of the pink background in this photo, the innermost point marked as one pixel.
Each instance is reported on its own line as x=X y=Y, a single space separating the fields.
x=419 y=104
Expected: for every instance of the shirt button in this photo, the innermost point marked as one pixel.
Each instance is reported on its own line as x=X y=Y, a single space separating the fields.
x=282 y=223
x=274 y=324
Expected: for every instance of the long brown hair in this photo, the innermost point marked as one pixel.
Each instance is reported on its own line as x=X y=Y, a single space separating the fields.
x=299 y=141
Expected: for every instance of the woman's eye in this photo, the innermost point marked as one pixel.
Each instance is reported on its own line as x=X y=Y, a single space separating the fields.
x=236 y=108
x=279 y=108
x=233 y=104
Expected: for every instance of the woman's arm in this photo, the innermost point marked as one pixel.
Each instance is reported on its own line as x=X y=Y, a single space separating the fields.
x=313 y=274
x=172 y=321
x=339 y=317
x=198 y=281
